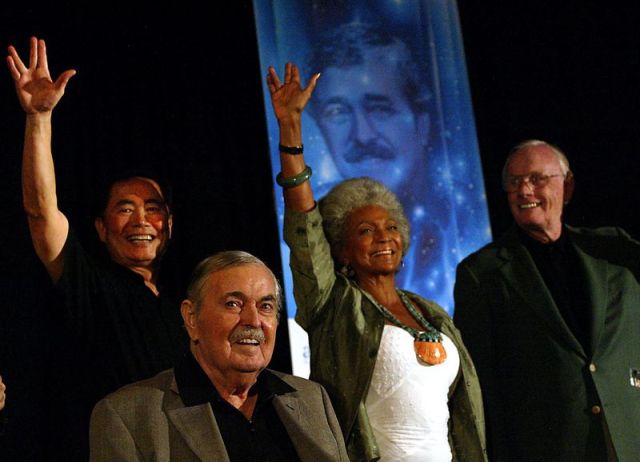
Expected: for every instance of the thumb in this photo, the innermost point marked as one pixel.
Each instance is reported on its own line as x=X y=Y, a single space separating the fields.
x=64 y=78
x=312 y=84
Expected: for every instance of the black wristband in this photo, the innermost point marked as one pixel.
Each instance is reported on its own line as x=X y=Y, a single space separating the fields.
x=291 y=149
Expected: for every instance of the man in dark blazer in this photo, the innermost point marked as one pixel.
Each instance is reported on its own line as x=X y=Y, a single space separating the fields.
x=220 y=403
x=551 y=316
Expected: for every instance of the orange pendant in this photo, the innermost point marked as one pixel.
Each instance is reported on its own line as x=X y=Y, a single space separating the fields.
x=430 y=352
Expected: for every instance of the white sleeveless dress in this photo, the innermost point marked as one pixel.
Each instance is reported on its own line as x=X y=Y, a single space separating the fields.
x=407 y=400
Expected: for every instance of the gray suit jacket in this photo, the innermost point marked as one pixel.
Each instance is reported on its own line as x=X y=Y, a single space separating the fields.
x=544 y=395
x=147 y=421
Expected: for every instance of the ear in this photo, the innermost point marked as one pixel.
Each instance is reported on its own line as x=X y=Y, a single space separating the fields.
x=100 y=228
x=423 y=125
x=569 y=185
x=189 y=317
x=343 y=256
x=170 y=224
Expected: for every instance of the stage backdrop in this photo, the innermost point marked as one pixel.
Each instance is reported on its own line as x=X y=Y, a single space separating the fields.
x=392 y=103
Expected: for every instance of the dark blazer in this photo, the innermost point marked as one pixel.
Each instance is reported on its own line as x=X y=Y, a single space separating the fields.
x=147 y=421
x=545 y=398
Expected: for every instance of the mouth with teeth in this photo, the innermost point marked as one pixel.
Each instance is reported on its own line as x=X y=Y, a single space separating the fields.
x=529 y=205
x=248 y=341
x=140 y=238
x=248 y=337
x=381 y=253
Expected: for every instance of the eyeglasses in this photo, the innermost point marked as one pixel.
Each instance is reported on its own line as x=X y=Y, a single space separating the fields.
x=535 y=181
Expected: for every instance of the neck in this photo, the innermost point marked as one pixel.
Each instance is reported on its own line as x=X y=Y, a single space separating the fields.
x=381 y=287
x=237 y=390
x=149 y=275
x=235 y=387
x=546 y=236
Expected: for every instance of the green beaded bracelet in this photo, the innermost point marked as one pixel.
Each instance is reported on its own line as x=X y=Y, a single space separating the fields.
x=294 y=180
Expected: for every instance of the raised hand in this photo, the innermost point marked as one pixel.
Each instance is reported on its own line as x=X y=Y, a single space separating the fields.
x=289 y=98
x=36 y=91
x=2 y=394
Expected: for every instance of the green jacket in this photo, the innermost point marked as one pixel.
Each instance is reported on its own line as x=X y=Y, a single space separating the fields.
x=545 y=397
x=345 y=329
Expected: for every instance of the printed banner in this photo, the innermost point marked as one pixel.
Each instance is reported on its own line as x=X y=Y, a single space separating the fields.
x=392 y=103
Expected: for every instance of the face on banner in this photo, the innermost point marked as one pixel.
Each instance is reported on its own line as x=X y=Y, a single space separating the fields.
x=368 y=123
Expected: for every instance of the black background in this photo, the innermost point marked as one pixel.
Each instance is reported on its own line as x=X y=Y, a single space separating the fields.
x=178 y=88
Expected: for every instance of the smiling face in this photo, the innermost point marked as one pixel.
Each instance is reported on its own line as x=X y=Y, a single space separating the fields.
x=136 y=223
x=233 y=328
x=373 y=244
x=538 y=210
x=367 y=122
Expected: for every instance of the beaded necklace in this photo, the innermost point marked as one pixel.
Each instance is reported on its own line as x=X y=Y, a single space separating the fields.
x=427 y=343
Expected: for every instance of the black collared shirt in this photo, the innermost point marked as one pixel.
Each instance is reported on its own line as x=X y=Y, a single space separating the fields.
x=564 y=277
x=263 y=438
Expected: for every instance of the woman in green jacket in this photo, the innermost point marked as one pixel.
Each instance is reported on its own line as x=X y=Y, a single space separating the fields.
x=401 y=381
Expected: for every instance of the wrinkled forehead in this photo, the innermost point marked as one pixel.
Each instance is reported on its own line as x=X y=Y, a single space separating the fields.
x=145 y=188
x=248 y=280
x=374 y=73
x=540 y=159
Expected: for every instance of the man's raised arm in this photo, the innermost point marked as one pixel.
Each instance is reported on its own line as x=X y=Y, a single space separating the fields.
x=38 y=95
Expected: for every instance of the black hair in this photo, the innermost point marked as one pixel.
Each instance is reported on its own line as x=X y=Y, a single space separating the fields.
x=112 y=177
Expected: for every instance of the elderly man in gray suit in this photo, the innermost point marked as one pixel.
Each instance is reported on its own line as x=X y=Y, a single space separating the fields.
x=220 y=403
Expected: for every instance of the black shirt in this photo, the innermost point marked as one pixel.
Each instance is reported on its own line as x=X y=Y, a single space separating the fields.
x=110 y=330
x=263 y=438
x=564 y=276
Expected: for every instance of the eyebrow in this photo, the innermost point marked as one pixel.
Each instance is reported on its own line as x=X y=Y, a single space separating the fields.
x=123 y=202
x=131 y=202
x=240 y=294
x=374 y=97
x=373 y=222
x=336 y=100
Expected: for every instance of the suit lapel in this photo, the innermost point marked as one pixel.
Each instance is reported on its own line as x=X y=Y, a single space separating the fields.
x=198 y=428
x=523 y=277
x=300 y=426
x=597 y=282
x=288 y=408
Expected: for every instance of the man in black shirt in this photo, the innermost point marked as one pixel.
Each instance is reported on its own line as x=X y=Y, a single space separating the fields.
x=220 y=402
x=113 y=326
x=549 y=313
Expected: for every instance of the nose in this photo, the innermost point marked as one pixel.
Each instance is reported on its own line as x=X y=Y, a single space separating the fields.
x=525 y=187
x=382 y=235
x=139 y=217
x=363 y=129
x=249 y=316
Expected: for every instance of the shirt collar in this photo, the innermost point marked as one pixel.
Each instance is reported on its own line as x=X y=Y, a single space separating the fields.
x=196 y=388
x=560 y=244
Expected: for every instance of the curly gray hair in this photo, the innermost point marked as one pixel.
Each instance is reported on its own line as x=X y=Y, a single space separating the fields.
x=350 y=195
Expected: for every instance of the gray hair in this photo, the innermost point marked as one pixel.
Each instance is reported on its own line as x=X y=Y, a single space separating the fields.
x=219 y=262
x=562 y=158
x=350 y=195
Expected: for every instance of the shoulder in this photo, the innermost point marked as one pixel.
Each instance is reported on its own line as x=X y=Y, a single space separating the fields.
x=429 y=304
x=146 y=392
x=608 y=243
x=434 y=312
x=605 y=238
x=602 y=232
x=299 y=383
x=483 y=259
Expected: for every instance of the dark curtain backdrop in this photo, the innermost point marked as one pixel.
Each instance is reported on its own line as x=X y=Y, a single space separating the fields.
x=179 y=89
